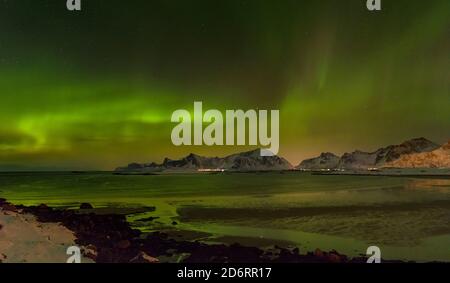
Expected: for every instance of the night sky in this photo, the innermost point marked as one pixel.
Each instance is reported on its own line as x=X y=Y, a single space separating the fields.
x=96 y=89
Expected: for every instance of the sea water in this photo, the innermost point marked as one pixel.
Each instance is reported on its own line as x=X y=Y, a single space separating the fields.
x=408 y=218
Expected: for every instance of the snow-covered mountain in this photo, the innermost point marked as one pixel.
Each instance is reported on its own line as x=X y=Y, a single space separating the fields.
x=326 y=160
x=364 y=160
x=246 y=161
x=360 y=160
x=439 y=158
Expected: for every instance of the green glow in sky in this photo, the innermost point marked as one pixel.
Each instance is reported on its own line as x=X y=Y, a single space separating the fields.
x=96 y=90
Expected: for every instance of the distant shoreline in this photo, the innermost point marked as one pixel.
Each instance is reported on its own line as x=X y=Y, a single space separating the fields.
x=431 y=176
x=381 y=173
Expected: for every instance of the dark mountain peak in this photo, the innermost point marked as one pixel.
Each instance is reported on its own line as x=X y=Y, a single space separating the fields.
x=363 y=160
x=192 y=155
x=325 y=160
x=416 y=145
x=438 y=158
x=194 y=160
x=135 y=166
x=256 y=153
x=419 y=139
x=419 y=143
x=328 y=155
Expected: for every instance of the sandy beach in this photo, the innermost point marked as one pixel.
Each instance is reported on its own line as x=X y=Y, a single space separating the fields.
x=23 y=239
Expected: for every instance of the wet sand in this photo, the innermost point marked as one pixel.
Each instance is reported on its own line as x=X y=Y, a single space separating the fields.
x=24 y=239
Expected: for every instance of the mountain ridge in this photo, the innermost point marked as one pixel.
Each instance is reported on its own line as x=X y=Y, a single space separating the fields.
x=412 y=153
x=244 y=161
x=360 y=160
x=438 y=158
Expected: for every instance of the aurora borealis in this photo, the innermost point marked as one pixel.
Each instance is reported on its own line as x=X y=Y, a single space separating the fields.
x=96 y=89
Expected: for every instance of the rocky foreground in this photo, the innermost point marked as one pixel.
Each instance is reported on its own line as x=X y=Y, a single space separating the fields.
x=108 y=238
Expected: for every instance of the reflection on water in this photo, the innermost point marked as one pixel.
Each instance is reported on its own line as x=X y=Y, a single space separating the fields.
x=436 y=184
x=408 y=218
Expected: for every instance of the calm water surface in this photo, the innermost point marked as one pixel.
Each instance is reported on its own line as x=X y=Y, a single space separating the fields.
x=408 y=218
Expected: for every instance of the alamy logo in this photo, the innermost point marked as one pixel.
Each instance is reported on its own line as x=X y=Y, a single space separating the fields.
x=75 y=254
x=374 y=5
x=73 y=5
x=375 y=254
x=235 y=124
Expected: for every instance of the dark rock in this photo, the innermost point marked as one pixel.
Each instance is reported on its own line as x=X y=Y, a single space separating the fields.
x=142 y=257
x=123 y=244
x=90 y=251
x=42 y=206
x=9 y=207
x=151 y=218
x=86 y=206
x=334 y=258
x=318 y=253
